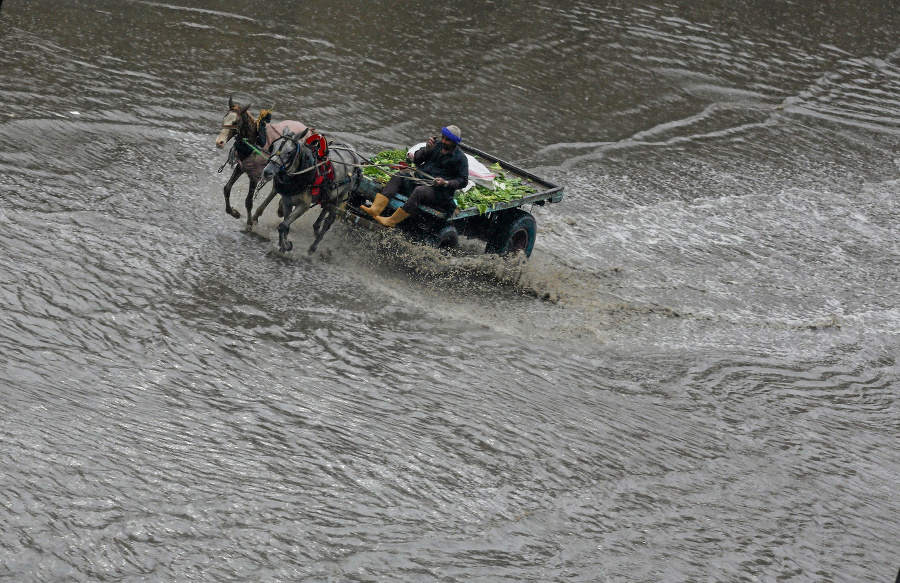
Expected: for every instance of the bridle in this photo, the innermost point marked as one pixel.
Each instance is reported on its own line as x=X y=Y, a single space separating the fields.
x=304 y=178
x=236 y=125
x=232 y=127
x=277 y=156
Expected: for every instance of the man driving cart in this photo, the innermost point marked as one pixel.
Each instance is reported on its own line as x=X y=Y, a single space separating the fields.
x=441 y=170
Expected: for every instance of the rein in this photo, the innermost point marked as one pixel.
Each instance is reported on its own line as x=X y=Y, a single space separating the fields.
x=319 y=165
x=428 y=179
x=241 y=141
x=250 y=145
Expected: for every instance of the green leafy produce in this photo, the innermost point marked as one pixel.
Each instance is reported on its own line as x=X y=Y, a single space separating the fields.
x=385 y=157
x=483 y=198
x=480 y=197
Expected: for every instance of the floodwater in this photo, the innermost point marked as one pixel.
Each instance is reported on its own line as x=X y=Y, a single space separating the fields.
x=694 y=377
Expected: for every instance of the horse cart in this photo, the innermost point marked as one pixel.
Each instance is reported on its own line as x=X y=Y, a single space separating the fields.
x=307 y=169
x=506 y=227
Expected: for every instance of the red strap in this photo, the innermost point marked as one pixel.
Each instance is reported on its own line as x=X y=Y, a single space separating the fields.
x=318 y=145
x=316 y=142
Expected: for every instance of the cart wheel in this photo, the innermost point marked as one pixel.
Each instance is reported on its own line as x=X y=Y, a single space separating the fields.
x=513 y=233
x=446 y=238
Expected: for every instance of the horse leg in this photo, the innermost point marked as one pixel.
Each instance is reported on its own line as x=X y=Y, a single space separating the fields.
x=234 y=176
x=325 y=220
x=291 y=213
x=319 y=220
x=321 y=233
x=264 y=204
x=283 y=244
x=248 y=202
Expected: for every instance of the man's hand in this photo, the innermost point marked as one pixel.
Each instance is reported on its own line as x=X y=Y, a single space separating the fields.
x=440 y=181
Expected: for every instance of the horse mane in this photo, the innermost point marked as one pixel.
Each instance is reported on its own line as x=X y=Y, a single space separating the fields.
x=253 y=124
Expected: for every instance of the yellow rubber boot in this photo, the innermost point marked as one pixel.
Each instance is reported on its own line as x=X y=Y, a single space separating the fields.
x=393 y=220
x=378 y=205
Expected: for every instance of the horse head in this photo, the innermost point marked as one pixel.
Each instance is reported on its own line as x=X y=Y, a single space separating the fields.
x=291 y=160
x=237 y=122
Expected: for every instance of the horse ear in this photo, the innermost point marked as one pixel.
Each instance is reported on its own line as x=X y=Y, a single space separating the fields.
x=230 y=102
x=243 y=110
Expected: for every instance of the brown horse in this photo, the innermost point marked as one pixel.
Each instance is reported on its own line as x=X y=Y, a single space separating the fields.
x=249 y=154
x=239 y=124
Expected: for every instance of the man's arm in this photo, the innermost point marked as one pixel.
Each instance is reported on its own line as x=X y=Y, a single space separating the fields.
x=461 y=176
x=425 y=151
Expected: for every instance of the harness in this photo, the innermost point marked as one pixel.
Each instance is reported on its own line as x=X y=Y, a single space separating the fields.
x=242 y=146
x=324 y=169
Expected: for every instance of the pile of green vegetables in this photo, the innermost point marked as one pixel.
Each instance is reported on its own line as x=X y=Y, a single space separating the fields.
x=385 y=157
x=506 y=190
x=480 y=197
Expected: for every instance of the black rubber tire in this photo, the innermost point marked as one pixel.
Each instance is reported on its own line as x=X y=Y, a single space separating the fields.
x=514 y=233
x=447 y=237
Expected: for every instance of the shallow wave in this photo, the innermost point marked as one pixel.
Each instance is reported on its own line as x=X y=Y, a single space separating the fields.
x=691 y=378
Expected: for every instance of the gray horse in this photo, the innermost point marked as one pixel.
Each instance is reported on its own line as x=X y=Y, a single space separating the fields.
x=306 y=170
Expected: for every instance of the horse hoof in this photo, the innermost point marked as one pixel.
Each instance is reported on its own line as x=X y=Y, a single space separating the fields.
x=233 y=213
x=286 y=248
